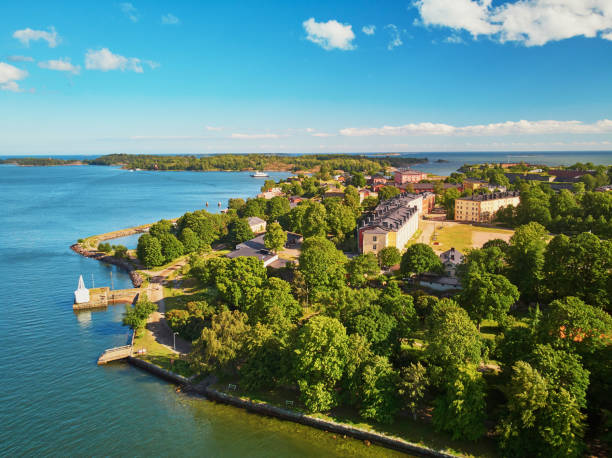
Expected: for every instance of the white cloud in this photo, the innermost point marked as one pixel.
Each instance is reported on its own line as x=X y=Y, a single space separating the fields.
x=495 y=129
x=170 y=19
x=105 y=60
x=20 y=59
x=395 y=37
x=531 y=22
x=27 y=35
x=330 y=35
x=9 y=76
x=254 y=136
x=61 y=65
x=455 y=39
x=130 y=11
x=214 y=128
x=323 y=134
x=310 y=130
x=369 y=29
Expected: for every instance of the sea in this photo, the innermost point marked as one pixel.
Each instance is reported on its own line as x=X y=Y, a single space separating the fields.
x=54 y=399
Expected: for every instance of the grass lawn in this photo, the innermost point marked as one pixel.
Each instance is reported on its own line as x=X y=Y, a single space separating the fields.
x=461 y=236
x=179 y=301
x=160 y=355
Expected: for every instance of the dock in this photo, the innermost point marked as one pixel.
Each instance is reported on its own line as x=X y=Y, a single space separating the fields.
x=103 y=297
x=115 y=354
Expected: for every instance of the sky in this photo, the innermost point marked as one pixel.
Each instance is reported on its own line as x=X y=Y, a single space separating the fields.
x=149 y=76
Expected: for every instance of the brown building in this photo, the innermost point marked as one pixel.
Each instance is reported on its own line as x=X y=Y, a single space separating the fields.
x=482 y=208
x=409 y=176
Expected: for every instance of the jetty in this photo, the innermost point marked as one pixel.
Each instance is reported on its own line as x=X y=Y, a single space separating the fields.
x=115 y=354
x=102 y=297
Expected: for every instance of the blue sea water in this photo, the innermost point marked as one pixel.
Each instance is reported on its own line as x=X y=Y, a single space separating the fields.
x=54 y=399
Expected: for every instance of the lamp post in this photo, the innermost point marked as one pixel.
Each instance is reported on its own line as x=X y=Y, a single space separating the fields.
x=174 y=338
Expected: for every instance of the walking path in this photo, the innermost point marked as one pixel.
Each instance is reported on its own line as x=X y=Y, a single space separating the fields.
x=157 y=325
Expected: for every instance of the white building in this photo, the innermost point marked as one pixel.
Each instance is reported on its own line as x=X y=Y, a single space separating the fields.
x=451 y=259
x=81 y=295
x=256 y=224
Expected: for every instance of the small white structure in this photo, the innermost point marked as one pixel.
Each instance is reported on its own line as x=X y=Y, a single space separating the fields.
x=256 y=224
x=451 y=259
x=81 y=295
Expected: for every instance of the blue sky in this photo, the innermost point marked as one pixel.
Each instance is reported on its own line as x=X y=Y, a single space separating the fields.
x=310 y=76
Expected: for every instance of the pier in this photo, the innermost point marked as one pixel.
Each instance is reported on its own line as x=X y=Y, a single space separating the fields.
x=115 y=354
x=103 y=297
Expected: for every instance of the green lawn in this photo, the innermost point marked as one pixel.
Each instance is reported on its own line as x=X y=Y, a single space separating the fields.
x=460 y=236
x=160 y=355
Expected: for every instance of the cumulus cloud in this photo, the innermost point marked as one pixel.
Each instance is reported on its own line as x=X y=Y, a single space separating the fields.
x=369 y=29
x=330 y=35
x=522 y=127
x=61 y=65
x=253 y=136
x=9 y=75
x=104 y=60
x=27 y=35
x=130 y=11
x=20 y=59
x=396 y=39
x=170 y=19
x=530 y=22
x=213 y=128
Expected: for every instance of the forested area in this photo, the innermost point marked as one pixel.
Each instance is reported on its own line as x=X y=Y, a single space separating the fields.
x=238 y=162
x=340 y=333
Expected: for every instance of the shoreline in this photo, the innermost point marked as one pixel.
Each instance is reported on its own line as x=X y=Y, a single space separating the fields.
x=265 y=409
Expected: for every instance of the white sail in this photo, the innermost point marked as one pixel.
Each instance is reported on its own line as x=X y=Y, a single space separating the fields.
x=81 y=295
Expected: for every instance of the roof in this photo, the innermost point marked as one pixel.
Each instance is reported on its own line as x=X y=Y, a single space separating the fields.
x=255 y=220
x=254 y=247
x=392 y=213
x=492 y=196
x=453 y=256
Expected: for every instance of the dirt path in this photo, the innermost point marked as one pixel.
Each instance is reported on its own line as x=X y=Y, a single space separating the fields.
x=157 y=325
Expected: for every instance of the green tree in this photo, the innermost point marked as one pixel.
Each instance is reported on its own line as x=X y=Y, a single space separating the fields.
x=526 y=258
x=161 y=227
x=277 y=207
x=320 y=356
x=461 y=409
x=386 y=192
x=579 y=266
x=358 y=180
x=413 y=386
x=171 y=247
x=275 y=238
x=378 y=390
x=149 y=251
x=268 y=184
x=321 y=264
x=362 y=267
x=136 y=316
x=453 y=338
x=275 y=306
x=351 y=200
x=264 y=365
x=389 y=257
x=238 y=280
x=487 y=296
x=236 y=204
x=254 y=207
x=419 y=258
x=120 y=251
x=308 y=219
x=220 y=347
x=190 y=240
x=240 y=231
x=541 y=419
x=448 y=201
x=340 y=219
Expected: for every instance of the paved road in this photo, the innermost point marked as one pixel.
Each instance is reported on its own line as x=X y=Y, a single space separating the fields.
x=157 y=324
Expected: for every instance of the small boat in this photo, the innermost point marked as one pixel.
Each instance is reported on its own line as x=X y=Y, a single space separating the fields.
x=259 y=174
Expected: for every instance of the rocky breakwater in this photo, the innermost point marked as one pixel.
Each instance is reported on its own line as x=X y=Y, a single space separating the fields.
x=136 y=278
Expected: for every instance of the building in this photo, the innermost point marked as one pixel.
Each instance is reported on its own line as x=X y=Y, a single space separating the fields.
x=429 y=201
x=392 y=223
x=256 y=224
x=605 y=188
x=483 y=207
x=514 y=177
x=567 y=175
x=257 y=248
x=474 y=184
x=365 y=193
x=272 y=192
x=450 y=260
x=333 y=192
x=403 y=176
x=377 y=179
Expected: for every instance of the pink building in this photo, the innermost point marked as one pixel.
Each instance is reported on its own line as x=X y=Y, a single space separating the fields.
x=409 y=176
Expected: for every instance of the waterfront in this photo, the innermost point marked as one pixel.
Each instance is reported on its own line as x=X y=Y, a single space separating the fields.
x=55 y=400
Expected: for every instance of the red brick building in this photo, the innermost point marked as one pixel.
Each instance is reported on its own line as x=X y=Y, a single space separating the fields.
x=409 y=176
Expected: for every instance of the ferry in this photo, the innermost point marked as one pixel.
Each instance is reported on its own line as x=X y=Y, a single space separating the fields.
x=260 y=175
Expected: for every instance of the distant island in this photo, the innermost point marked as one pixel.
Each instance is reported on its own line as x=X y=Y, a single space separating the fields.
x=237 y=162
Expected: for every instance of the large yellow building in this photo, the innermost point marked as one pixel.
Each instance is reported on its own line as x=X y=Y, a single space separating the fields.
x=392 y=223
x=482 y=208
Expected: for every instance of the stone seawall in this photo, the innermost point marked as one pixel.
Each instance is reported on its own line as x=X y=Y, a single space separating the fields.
x=158 y=371
x=136 y=278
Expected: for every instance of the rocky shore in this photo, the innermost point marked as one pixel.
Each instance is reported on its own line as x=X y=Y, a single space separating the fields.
x=136 y=278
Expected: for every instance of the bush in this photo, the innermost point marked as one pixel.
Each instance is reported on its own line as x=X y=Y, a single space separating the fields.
x=120 y=251
x=136 y=317
x=105 y=247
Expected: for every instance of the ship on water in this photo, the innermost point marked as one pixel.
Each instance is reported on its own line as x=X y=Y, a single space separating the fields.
x=259 y=174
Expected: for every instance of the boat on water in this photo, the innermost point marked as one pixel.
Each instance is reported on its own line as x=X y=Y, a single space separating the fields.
x=259 y=174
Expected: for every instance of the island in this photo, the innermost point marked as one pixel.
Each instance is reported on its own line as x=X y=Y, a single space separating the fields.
x=373 y=307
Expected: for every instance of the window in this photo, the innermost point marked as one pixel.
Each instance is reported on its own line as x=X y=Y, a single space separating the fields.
x=374 y=246
x=374 y=238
